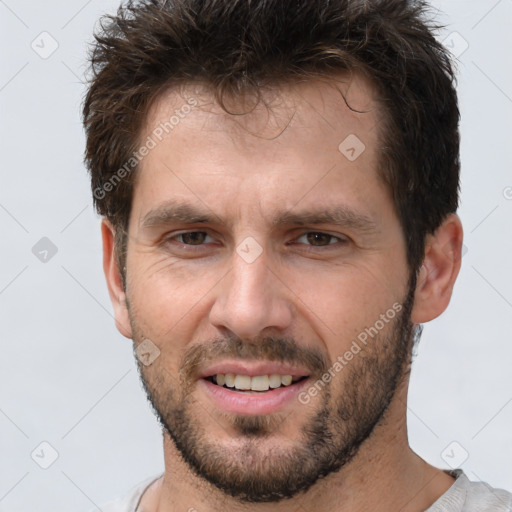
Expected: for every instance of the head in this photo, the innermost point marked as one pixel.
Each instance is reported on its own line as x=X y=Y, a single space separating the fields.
x=279 y=186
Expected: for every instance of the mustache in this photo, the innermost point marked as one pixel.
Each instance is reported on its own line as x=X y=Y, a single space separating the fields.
x=268 y=348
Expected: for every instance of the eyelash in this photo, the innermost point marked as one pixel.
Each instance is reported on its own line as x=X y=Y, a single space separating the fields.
x=339 y=239
x=332 y=237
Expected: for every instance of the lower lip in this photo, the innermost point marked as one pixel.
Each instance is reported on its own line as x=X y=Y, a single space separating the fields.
x=252 y=403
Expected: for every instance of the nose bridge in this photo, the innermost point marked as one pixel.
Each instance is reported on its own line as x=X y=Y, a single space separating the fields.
x=249 y=280
x=251 y=298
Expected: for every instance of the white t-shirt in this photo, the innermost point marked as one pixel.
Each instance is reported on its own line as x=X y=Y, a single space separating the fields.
x=462 y=496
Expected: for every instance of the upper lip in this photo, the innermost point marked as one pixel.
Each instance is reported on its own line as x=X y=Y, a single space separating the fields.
x=253 y=368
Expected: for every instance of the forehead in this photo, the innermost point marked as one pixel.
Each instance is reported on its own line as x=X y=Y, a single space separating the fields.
x=339 y=106
x=312 y=139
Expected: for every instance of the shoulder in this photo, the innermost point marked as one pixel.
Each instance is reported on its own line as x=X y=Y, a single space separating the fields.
x=482 y=497
x=467 y=496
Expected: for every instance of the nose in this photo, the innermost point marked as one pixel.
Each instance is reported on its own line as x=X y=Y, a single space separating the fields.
x=251 y=299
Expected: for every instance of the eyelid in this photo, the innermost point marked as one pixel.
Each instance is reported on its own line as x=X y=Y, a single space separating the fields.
x=340 y=237
x=171 y=237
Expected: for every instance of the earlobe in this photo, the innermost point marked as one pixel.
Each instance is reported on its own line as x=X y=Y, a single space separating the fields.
x=114 y=279
x=439 y=271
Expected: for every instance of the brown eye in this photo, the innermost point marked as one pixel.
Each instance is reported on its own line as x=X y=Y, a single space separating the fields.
x=319 y=239
x=193 y=238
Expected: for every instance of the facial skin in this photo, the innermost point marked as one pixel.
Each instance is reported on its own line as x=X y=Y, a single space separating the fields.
x=262 y=182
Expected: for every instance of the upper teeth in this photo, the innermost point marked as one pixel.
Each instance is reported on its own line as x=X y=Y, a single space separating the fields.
x=257 y=383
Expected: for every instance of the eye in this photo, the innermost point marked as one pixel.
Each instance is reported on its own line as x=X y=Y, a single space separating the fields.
x=319 y=239
x=193 y=238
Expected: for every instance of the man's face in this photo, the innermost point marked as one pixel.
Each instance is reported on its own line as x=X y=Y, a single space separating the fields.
x=265 y=244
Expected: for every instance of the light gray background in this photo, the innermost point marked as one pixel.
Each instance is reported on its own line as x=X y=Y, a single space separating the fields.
x=67 y=376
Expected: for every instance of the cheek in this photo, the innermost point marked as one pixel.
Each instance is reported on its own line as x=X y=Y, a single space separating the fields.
x=168 y=300
x=343 y=303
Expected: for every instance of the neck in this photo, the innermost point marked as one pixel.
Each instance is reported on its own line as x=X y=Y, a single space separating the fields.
x=385 y=475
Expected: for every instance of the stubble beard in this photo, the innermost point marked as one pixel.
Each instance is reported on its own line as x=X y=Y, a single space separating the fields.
x=259 y=470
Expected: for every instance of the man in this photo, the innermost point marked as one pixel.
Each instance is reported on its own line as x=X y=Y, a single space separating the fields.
x=279 y=186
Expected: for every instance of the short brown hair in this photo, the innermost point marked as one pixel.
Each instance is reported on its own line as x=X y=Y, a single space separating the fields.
x=236 y=46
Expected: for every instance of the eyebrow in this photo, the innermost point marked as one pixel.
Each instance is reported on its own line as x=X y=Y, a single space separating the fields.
x=185 y=213
x=339 y=216
x=172 y=211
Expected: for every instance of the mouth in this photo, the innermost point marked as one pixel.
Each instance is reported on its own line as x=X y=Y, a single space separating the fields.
x=253 y=387
x=256 y=384
x=253 y=395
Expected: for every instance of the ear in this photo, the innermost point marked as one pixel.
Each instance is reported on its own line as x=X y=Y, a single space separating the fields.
x=114 y=280
x=439 y=271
